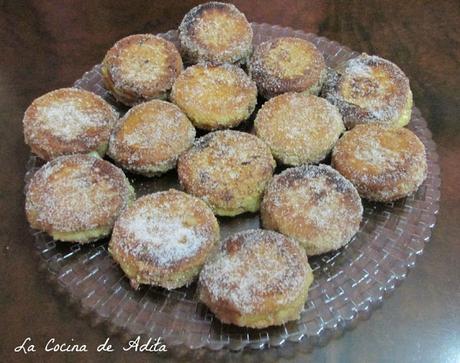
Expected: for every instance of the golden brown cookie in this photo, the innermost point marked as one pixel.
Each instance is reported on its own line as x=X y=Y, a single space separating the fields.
x=287 y=65
x=150 y=137
x=77 y=198
x=227 y=169
x=369 y=89
x=164 y=239
x=215 y=32
x=315 y=205
x=68 y=121
x=215 y=97
x=299 y=128
x=141 y=67
x=258 y=279
x=384 y=164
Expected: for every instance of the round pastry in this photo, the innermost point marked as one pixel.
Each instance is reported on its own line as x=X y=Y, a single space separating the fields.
x=77 y=198
x=150 y=137
x=287 y=65
x=215 y=97
x=68 y=121
x=164 y=239
x=227 y=169
x=215 y=32
x=384 y=164
x=258 y=279
x=299 y=128
x=370 y=89
x=315 y=205
x=141 y=67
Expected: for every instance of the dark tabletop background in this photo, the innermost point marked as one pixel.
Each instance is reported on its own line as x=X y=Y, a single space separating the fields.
x=48 y=44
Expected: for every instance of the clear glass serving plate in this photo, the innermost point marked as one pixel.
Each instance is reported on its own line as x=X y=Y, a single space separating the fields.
x=348 y=285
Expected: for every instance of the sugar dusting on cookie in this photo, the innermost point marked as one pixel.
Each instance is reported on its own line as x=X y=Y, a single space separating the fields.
x=68 y=121
x=252 y=265
x=166 y=239
x=77 y=193
x=299 y=128
x=225 y=168
x=369 y=89
x=287 y=64
x=215 y=96
x=313 y=204
x=151 y=135
x=163 y=230
x=216 y=32
x=380 y=160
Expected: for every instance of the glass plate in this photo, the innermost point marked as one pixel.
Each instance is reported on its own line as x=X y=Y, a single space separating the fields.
x=348 y=285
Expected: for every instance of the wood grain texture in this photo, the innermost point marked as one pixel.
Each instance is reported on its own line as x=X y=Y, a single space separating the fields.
x=49 y=44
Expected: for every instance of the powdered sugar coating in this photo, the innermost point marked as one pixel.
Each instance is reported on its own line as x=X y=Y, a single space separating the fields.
x=383 y=163
x=255 y=272
x=76 y=193
x=287 y=64
x=141 y=67
x=314 y=205
x=169 y=239
x=215 y=97
x=299 y=128
x=228 y=169
x=150 y=137
x=164 y=234
x=370 y=89
x=68 y=121
x=215 y=32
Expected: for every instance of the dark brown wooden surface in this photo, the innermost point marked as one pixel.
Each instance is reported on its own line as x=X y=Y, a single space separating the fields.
x=49 y=44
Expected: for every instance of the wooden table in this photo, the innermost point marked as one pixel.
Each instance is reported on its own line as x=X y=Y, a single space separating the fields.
x=47 y=45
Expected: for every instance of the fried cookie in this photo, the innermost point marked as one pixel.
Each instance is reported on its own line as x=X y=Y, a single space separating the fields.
x=315 y=205
x=164 y=239
x=68 y=121
x=141 y=67
x=215 y=32
x=258 y=279
x=384 y=164
x=299 y=128
x=215 y=97
x=369 y=89
x=77 y=198
x=227 y=169
x=150 y=137
x=287 y=65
